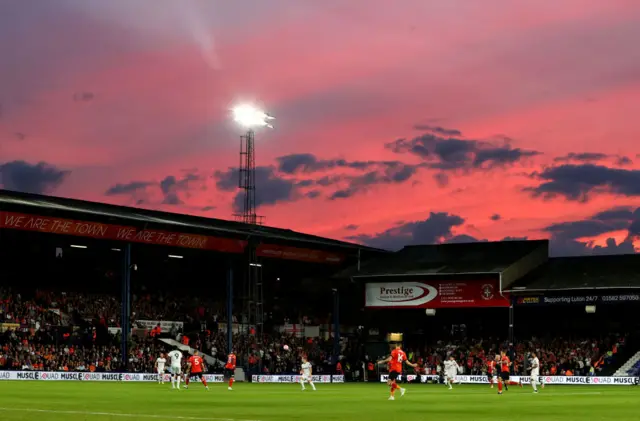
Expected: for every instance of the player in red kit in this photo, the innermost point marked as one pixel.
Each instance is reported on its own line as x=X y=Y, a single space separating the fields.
x=230 y=369
x=195 y=368
x=491 y=370
x=505 y=370
x=395 y=361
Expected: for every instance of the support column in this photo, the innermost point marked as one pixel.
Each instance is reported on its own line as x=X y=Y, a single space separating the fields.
x=336 y=324
x=126 y=305
x=511 y=323
x=229 y=309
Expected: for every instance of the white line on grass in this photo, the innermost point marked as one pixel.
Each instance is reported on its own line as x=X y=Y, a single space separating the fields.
x=462 y=393
x=117 y=414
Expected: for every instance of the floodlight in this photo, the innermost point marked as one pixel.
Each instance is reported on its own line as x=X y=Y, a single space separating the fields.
x=76 y=246
x=249 y=117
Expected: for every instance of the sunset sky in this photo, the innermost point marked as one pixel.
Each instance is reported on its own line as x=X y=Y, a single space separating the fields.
x=397 y=122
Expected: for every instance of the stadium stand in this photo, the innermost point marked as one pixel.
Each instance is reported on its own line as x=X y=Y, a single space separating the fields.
x=61 y=306
x=631 y=367
x=448 y=259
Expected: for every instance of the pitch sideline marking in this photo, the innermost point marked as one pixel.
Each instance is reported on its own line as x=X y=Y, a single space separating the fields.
x=116 y=414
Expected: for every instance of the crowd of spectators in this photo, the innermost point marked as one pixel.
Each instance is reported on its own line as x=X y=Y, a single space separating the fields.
x=58 y=331
x=557 y=356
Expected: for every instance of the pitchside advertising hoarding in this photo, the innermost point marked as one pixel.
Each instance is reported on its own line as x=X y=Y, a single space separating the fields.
x=96 y=377
x=536 y=300
x=434 y=294
x=148 y=377
x=551 y=380
x=295 y=379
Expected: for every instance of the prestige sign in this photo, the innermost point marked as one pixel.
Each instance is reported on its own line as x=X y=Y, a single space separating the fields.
x=434 y=294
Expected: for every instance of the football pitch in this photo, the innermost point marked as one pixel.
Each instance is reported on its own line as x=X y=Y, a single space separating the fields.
x=57 y=401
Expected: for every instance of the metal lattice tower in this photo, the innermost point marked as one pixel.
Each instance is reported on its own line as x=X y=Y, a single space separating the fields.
x=247 y=179
x=253 y=305
x=252 y=289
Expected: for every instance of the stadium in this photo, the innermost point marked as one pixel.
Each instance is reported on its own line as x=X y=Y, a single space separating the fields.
x=93 y=294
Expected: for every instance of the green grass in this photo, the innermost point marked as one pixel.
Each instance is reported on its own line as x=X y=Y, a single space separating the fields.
x=57 y=401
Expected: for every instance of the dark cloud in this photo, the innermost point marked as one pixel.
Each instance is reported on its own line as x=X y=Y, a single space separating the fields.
x=38 y=178
x=313 y=194
x=351 y=227
x=442 y=179
x=437 y=130
x=435 y=229
x=594 y=157
x=349 y=183
x=578 y=182
x=464 y=238
x=496 y=217
x=449 y=154
x=84 y=96
x=171 y=188
x=208 y=208
x=20 y=136
x=619 y=213
x=308 y=163
x=582 y=157
x=623 y=161
x=392 y=173
x=270 y=187
x=128 y=188
x=515 y=238
x=634 y=228
x=564 y=247
x=587 y=228
x=566 y=236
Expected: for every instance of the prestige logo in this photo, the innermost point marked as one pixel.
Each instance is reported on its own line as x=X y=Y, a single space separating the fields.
x=406 y=293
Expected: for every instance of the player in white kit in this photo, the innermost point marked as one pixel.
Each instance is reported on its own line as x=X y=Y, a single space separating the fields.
x=450 y=371
x=306 y=374
x=176 y=368
x=535 y=371
x=160 y=363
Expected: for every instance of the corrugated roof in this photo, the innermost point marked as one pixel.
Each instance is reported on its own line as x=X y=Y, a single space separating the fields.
x=31 y=203
x=584 y=272
x=459 y=258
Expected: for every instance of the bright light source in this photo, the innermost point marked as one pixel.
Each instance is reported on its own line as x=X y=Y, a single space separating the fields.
x=249 y=116
x=258 y=265
x=175 y=256
x=75 y=246
x=115 y=249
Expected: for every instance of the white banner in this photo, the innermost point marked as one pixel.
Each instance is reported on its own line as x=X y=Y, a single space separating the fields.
x=597 y=381
x=295 y=379
x=96 y=377
x=164 y=324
